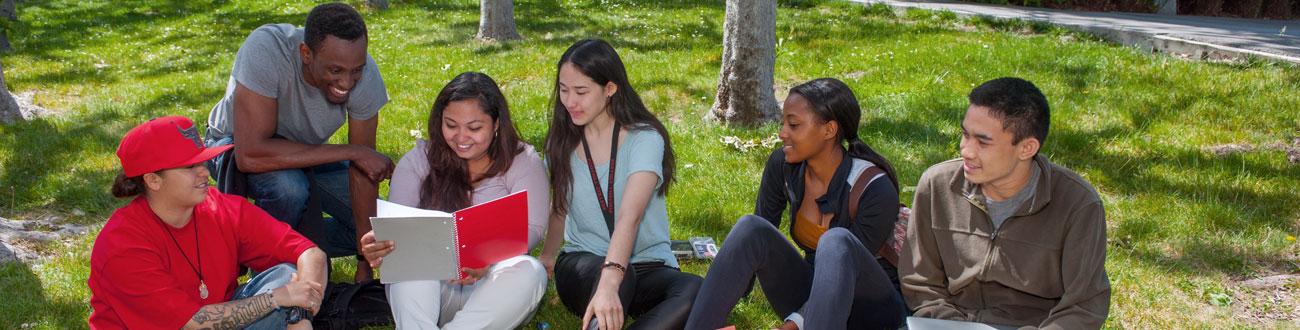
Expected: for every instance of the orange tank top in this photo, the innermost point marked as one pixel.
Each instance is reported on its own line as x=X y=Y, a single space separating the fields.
x=806 y=231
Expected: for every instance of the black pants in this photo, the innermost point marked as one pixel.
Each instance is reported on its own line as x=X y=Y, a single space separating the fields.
x=656 y=295
x=846 y=288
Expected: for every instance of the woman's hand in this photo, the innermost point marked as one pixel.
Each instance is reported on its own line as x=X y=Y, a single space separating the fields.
x=474 y=274
x=375 y=251
x=605 y=305
x=299 y=293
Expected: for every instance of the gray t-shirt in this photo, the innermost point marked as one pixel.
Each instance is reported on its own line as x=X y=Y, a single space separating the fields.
x=999 y=211
x=268 y=64
x=584 y=227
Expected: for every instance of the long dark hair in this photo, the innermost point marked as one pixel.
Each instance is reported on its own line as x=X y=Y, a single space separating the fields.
x=448 y=185
x=596 y=59
x=831 y=100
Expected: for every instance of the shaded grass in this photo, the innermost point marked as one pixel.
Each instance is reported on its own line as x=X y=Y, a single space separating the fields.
x=1183 y=222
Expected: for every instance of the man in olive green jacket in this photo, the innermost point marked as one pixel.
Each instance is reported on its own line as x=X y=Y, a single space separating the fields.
x=1002 y=235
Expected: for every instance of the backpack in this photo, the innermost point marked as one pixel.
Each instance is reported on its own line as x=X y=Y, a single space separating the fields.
x=353 y=306
x=894 y=243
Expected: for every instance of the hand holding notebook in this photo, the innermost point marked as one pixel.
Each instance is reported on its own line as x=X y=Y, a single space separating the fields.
x=434 y=245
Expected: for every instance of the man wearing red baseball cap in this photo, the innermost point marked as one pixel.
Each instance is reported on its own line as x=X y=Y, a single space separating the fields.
x=171 y=258
x=290 y=90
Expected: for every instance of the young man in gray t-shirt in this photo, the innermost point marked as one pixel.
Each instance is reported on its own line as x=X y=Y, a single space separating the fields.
x=290 y=89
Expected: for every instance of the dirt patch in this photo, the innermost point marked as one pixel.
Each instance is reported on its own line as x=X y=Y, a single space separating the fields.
x=1268 y=299
x=1291 y=149
x=26 y=240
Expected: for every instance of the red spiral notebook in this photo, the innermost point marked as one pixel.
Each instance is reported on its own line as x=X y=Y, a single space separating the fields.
x=434 y=245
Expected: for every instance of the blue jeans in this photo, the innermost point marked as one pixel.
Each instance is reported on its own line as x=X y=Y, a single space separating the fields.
x=264 y=282
x=283 y=194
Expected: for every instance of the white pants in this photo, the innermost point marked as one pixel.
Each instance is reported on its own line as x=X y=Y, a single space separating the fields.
x=503 y=299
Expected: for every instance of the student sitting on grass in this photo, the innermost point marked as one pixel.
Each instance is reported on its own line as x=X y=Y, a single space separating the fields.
x=172 y=257
x=838 y=283
x=1002 y=235
x=611 y=164
x=473 y=155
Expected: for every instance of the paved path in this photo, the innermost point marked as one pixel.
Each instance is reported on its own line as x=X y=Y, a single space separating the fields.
x=1196 y=36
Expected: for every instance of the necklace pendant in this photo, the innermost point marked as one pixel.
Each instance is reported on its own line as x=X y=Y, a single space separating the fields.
x=203 y=290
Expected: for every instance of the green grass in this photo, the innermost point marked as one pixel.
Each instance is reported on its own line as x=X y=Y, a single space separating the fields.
x=1183 y=223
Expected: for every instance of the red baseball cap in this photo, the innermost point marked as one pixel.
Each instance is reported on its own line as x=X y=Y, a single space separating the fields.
x=163 y=143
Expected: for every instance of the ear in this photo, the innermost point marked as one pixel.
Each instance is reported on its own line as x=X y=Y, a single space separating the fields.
x=831 y=130
x=610 y=89
x=305 y=52
x=496 y=127
x=153 y=181
x=1027 y=148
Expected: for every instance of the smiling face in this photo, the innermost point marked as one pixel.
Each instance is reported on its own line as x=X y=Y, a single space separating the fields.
x=585 y=99
x=184 y=186
x=467 y=129
x=335 y=67
x=802 y=133
x=988 y=153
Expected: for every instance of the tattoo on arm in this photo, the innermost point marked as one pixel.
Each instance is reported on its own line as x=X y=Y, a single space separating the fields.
x=233 y=314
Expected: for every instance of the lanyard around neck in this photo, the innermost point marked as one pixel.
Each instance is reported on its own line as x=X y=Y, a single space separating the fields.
x=605 y=207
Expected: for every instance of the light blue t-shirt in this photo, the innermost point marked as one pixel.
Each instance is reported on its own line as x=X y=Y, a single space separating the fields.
x=584 y=227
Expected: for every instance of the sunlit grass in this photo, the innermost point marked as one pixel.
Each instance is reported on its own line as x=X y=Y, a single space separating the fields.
x=1183 y=222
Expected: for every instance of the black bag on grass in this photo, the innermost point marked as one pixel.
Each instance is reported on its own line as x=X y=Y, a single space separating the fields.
x=353 y=306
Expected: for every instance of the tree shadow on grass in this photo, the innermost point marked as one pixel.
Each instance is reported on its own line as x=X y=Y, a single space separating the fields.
x=562 y=25
x=67 y=31
x=45 y=166
x=1223 y=208
x=23 y=301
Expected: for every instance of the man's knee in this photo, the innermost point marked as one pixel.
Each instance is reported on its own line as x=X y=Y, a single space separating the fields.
x=269 y=279
x=282 y=273
x=289 y=186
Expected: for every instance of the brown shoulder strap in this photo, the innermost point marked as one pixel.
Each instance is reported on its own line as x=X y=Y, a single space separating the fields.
x=859 y=186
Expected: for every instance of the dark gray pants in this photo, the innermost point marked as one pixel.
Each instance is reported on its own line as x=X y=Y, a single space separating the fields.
x=845 y=289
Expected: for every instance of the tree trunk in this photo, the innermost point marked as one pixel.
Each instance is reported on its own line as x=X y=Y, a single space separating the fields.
x=745 y=94
x=377 y=4
x=496 y=20
x=9 y=111
x=7 y=12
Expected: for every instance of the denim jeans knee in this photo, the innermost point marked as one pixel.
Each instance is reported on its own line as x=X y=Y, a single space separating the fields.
x=266 y=281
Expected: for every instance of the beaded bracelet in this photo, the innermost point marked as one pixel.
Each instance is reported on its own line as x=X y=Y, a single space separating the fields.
x=615 y=265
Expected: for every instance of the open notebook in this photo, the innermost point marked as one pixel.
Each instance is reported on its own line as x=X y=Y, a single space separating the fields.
x=434 y=245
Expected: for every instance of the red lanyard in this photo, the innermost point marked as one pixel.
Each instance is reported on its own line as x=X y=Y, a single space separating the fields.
x=605 y=207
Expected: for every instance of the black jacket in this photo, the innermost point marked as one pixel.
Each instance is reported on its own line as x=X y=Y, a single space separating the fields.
x=783 y=185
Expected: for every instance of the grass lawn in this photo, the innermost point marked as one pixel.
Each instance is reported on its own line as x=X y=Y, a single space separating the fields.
x=1185 y=225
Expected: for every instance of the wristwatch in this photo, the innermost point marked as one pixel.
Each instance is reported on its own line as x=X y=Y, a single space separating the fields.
x=293 y=315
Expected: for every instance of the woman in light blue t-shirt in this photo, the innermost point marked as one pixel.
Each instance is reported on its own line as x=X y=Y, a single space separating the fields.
x=611 y=163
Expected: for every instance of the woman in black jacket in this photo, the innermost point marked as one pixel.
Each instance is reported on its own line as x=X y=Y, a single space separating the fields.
x=838 y=283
